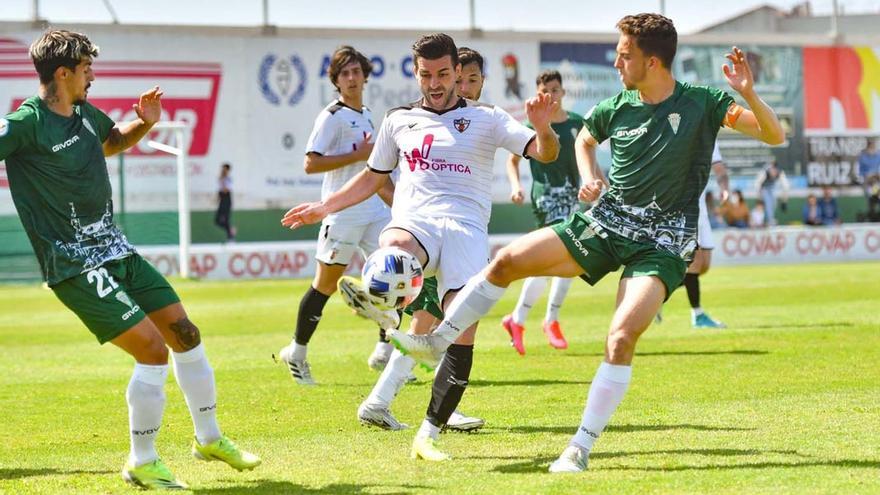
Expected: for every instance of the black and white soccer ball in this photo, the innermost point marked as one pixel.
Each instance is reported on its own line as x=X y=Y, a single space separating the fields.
x=393 y=278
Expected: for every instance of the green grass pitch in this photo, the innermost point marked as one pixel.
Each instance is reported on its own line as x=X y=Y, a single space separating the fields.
x=787 y=400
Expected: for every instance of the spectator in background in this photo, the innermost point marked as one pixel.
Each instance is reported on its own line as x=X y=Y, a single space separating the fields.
x=757 y=217
x=869 y=176
x=735 y=211
x=223 y=217
x=812 y=213
x=716 y=221
x=828 y=211
x=766 y=185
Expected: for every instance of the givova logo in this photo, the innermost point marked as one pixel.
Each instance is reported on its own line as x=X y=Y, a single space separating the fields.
x=66 y=144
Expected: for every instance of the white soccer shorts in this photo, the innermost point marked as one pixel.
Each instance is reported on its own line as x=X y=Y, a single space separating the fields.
x=338 y=243
x=704 y=228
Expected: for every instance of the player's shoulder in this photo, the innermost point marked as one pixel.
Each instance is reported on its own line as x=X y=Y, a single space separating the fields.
x=25 y=116
x=402 y=109
x=700 y=91
x=488 y=107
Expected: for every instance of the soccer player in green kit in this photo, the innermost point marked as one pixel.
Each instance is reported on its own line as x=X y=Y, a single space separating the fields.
x=554 y=198
x=662 y=132
x=54 y=146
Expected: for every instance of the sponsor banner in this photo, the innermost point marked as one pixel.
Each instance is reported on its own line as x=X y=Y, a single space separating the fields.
x=797 y=245
x=589 y=77
x=782 y=245
x=249 y=101
x=834 y=160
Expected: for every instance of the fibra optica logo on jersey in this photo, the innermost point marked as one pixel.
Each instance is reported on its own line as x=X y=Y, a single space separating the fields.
x=282 y=79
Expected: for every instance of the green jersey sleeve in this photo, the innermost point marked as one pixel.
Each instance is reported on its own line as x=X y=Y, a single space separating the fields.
x=13 y=131
x=103 y=123
x=598 y=119
x=718 y=103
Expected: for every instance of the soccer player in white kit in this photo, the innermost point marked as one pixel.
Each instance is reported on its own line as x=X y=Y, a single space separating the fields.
x=445 y=147
x=338 y=147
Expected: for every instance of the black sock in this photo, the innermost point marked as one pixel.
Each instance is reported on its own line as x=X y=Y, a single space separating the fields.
x=310 y=309
x=692 y=284
x=449 y=383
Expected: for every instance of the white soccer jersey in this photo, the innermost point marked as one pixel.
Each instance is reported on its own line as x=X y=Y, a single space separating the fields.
x=445 y=158
x=338 y=130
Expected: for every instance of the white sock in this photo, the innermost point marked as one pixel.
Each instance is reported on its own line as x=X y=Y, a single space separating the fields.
x=696 y=311
x=391 y=380
x=472 y=303
x=299 y=352
x=532 y=289
x=196 y=379
x=428 y=430
x=146 y=403
x=606 y=392
x=558 y=291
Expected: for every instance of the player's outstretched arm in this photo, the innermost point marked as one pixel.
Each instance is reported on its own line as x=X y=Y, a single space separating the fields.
x=357 y=189
x=591 y=175
x=759 y=121
x=539 y=110
x=124 y=136
x=516 y=190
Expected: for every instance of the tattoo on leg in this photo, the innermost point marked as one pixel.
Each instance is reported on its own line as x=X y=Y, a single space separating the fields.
x=186 y=333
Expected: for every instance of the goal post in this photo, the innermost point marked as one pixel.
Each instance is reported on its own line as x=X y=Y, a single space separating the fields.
x=181 y=131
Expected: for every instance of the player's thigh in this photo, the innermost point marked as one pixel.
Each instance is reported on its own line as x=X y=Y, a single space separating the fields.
x=100 y=301
x=326 y=277
x=639 y=299
x=698 y=265
x=144 y=342
x=538 y=253
x=422 y=322
x=418 y=237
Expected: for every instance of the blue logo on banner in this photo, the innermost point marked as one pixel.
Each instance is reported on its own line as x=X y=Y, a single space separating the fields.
x=282 y=79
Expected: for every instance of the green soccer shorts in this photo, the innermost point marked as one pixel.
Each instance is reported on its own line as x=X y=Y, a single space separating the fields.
x=427 y=300
x=600 y=252
x=116 y=296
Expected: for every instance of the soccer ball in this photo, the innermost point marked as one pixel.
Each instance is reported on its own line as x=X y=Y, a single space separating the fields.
x=393 y=277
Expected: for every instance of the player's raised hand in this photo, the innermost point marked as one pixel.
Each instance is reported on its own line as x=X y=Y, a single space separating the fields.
x=304 y=214
x=590 y=191
x=738 y=74
x=540 y=109
x=149 y=106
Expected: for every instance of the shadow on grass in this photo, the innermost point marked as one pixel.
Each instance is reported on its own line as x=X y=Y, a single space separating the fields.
x=540 y=464
x=738 y=352
x=570 y=429
x=521 y=383
x=19 y=473
x=286 y=487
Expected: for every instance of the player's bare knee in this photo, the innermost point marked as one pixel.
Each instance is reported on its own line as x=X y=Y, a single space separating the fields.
x=620 y=346
x=501 y=270
x=186 y=335
x=154 y=352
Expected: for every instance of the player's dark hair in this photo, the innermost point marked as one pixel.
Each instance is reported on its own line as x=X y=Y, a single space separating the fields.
x=654 y=35
x=470 y=56
x=433 y=47
x=343 y=56
x=60 y=48
x=547 y=76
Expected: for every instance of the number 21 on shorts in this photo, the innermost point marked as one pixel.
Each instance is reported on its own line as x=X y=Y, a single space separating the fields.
x=99 y=276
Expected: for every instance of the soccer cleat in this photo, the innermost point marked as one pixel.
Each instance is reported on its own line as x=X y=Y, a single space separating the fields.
x=515 y=331
x=703 y=320
x=554 y=334
x=462 y=423
x=427 y=350
x=223 y=449
x=152 y=475
x=380 y=356
x=380 y=417
x=426 y=448
x=358 y=299
x=573 y=460
x=299 y=369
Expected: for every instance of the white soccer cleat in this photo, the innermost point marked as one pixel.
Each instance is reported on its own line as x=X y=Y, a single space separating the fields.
x=380 y=417
x=380 y=356
x=359 y=300
x=573 y=460
x=463 y=423
x=299 y=369
x=426 y=350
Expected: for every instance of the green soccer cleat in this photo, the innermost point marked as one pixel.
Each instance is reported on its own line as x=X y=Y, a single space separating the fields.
x=152 y=476
x=426 y=448
x=226 y=451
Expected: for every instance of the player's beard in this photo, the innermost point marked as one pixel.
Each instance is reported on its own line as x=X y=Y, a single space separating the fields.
x=447 y=100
